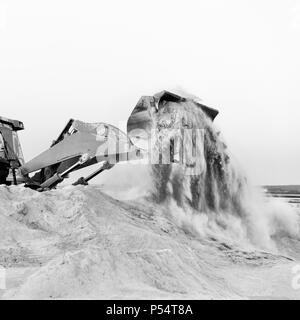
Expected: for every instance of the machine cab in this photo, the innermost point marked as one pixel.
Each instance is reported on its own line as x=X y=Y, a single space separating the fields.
x=11 y=155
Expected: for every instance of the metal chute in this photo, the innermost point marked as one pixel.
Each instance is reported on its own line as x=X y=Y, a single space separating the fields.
x=144 y=116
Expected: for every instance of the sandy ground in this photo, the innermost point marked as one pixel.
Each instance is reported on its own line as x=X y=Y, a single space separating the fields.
x=79 y=243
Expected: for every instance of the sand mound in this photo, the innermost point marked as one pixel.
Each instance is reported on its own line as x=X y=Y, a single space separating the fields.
x=80 y=243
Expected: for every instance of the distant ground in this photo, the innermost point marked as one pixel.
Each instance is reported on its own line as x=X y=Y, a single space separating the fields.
x=283 y=190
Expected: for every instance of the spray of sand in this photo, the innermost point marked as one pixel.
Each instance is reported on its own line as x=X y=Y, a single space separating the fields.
x=212 y=197
x=204 y=191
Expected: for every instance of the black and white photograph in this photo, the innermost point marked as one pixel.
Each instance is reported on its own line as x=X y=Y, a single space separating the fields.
x=149 y=151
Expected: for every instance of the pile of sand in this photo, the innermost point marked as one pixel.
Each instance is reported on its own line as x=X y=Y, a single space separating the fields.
x=77 y=242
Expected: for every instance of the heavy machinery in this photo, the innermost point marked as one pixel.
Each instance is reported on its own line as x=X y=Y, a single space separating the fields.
x=11 y=156
x=80 y=145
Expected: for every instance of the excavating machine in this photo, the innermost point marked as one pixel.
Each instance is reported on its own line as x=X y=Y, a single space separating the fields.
x=80 y=145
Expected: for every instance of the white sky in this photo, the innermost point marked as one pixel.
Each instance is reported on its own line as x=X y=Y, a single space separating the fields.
x=92 y=60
